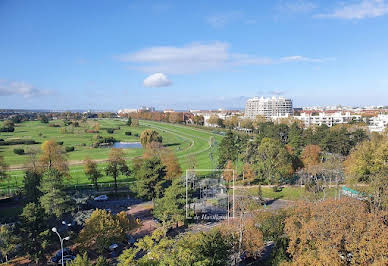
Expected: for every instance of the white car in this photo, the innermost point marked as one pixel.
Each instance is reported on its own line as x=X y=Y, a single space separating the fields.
x=101 y=198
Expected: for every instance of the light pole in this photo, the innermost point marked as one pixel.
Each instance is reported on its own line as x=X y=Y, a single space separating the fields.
x=61 y=240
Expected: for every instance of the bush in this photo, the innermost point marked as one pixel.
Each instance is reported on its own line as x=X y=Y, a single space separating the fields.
x=18 y=151
x=136 y=134
x=69 y=149
x=18 y=142
x=60 y=142
x=7 y=129
x=110 y=130
x=128 y=133
x=54 y=125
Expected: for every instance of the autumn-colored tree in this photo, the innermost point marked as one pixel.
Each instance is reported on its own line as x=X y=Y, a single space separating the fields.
x=53 y=157
x=337 y=232
x=149 y=136
x=104 y=228
x=175 y=117
x=229 y=171
x=246 y=123
x=213 y=120
x=91 y=170
x=259 y=119
x=311 y=156
x=116 y=165
x=172 y=165
x=232 y=122
x=248 y=173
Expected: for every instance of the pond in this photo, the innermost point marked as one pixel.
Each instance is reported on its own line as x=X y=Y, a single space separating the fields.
x=127 y=145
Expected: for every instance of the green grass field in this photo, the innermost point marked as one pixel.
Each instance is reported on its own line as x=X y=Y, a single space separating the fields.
x=182 y=140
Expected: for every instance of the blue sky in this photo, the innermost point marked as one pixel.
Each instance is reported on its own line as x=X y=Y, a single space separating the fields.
x=191 y=54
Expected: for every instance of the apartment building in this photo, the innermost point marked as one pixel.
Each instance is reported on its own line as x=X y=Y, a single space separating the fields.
x=328 y=119
x=378 y=123
x=268 y=107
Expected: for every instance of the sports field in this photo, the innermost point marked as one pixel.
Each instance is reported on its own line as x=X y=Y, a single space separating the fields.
x=186 y=142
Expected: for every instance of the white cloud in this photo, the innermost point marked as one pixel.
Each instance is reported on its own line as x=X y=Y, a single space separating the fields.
x=358 y=10
x=190 y=58
x=300 y=6
x=157 y=80
x=299 y=58
x=9 y=88
x=222 y=19
x=198 y=57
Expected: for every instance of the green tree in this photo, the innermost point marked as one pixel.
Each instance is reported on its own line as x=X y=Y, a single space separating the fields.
x=116 y=165
x=104 y=228
x=8 y=241
x=81 y=260
x=92 y=172
x=34 y=229
x=227 y=150
x=54 y=200
x=149 y=136
x=32 y=180
x=150 y=177
x=295 y=138
x=129 y=121
x=170 y=209
x=274 y=164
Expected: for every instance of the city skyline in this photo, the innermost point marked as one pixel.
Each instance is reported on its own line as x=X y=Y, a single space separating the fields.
x=71 y=55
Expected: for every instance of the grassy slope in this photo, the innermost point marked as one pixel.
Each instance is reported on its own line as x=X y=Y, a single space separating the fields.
x=180 y=139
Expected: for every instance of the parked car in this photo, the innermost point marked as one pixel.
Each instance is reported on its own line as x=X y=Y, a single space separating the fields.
x=101 y=198
x=66 y=259
x=58 y=255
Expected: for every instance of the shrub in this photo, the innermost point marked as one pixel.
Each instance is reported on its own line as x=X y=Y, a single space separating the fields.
x=18 y=151
x=18 y=142
x=7 y=129
x=128 y=133
x=69 y=149
x=136 y=134
x=110 y=130
x=54 y=125
x=60 y=142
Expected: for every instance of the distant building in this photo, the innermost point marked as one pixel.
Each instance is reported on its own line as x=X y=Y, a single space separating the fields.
x=328 y=119
x=378 y=123
x=268 y=107
x=168 y=111
x=146 y=109
x=126 y=111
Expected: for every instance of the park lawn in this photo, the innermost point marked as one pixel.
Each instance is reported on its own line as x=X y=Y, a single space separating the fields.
x=287 y=193
x=180 y=139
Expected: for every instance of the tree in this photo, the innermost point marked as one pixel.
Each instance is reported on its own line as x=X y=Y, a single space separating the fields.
x=149 y=136
x=32 y=182
x=248 y=173
x=210 y=248
x=246 y=123
x=81 y=260
x=274 y=164
x=232 y=122
x=228 y=173
x=129 y=121
x=199 y=120
x=35 y=230
x=104 y=228
x=8 y=241
x=53 y=157
x=213 y=120
x=54 y=200
x=3 y=169
x=311 y=155
x=150 y=177
x=227 y=150
x=170 y=209
x=91 y=170
x=295 y=138
x=172 y=165
x=337 y=232
x=116 y=165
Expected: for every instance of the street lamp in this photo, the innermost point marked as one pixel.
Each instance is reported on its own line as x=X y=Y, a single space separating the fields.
x=61 y=240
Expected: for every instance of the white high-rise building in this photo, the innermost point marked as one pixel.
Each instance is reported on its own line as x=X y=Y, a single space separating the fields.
x=268 y=107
